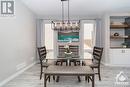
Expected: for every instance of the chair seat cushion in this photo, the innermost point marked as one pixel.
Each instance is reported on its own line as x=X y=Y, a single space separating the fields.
x=45 y=64
x=93 y=65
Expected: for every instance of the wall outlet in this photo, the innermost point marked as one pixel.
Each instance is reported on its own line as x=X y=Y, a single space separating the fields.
x=20 y=66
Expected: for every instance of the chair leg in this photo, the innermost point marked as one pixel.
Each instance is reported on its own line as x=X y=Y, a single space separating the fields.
x=92 y=68
x=49 y=78
x=41 y=73
x=86 y=78
x=82 y=63
x=61 y=63
x=99 y=74
x=56 y=63
x=66 y=63
x=79 y=79
x=57 y=79
x=53 y=77
x=75 y=63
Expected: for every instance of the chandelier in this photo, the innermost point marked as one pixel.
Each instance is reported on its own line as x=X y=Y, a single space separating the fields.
x=65 y=25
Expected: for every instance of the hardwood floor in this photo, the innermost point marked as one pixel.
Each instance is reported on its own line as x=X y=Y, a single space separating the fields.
x=30 y=78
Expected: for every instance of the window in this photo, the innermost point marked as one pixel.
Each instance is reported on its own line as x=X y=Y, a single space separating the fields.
x=49 y=40
x=89 y=36
x=48 y=37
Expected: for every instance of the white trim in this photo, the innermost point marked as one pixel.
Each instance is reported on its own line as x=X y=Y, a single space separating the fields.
x=16 y=74
x=114 y=65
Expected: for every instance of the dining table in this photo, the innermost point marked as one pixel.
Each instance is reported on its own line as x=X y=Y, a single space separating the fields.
x=68 y=58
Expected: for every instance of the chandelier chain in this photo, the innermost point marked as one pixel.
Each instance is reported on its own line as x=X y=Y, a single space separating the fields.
x=62 y=12
x=68 y=12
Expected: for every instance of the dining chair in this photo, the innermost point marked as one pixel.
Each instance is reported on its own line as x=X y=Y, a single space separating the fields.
x=43 y=62
x=75 y=61
x=96 y=61
x=61 y=61
x=42 y=57
x=75 y=55
x=61 y=54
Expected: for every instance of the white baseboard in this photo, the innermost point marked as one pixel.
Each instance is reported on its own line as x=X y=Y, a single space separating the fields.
x=114 y=65
x=16 y=74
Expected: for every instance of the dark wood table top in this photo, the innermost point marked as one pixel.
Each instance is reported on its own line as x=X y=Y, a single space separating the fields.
x=69 y=70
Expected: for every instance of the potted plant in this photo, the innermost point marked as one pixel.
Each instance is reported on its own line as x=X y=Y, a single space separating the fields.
x=67 y=49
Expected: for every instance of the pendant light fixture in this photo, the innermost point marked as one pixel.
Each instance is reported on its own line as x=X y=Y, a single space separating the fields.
x=65 y=25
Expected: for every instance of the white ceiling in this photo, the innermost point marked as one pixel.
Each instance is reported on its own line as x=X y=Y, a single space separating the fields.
x=78 y=8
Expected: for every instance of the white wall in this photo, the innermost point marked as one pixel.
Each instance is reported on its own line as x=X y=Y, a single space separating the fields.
x=98 y=33
x=17 y=41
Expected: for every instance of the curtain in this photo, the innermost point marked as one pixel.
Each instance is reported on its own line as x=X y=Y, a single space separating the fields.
x=40 y=33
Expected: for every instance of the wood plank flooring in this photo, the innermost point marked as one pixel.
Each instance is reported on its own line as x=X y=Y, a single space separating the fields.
x=30 y=78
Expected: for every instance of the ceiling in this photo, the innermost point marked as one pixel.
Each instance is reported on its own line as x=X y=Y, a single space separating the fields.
x=78 y=8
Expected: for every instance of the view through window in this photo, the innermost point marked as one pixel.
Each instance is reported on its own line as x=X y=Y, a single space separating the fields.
x=49 y=39
x=89 y=39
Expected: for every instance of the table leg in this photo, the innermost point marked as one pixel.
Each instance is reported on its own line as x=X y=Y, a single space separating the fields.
x=86 y=77
x=93 y=80
x=45 y=80
x=79 y=79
